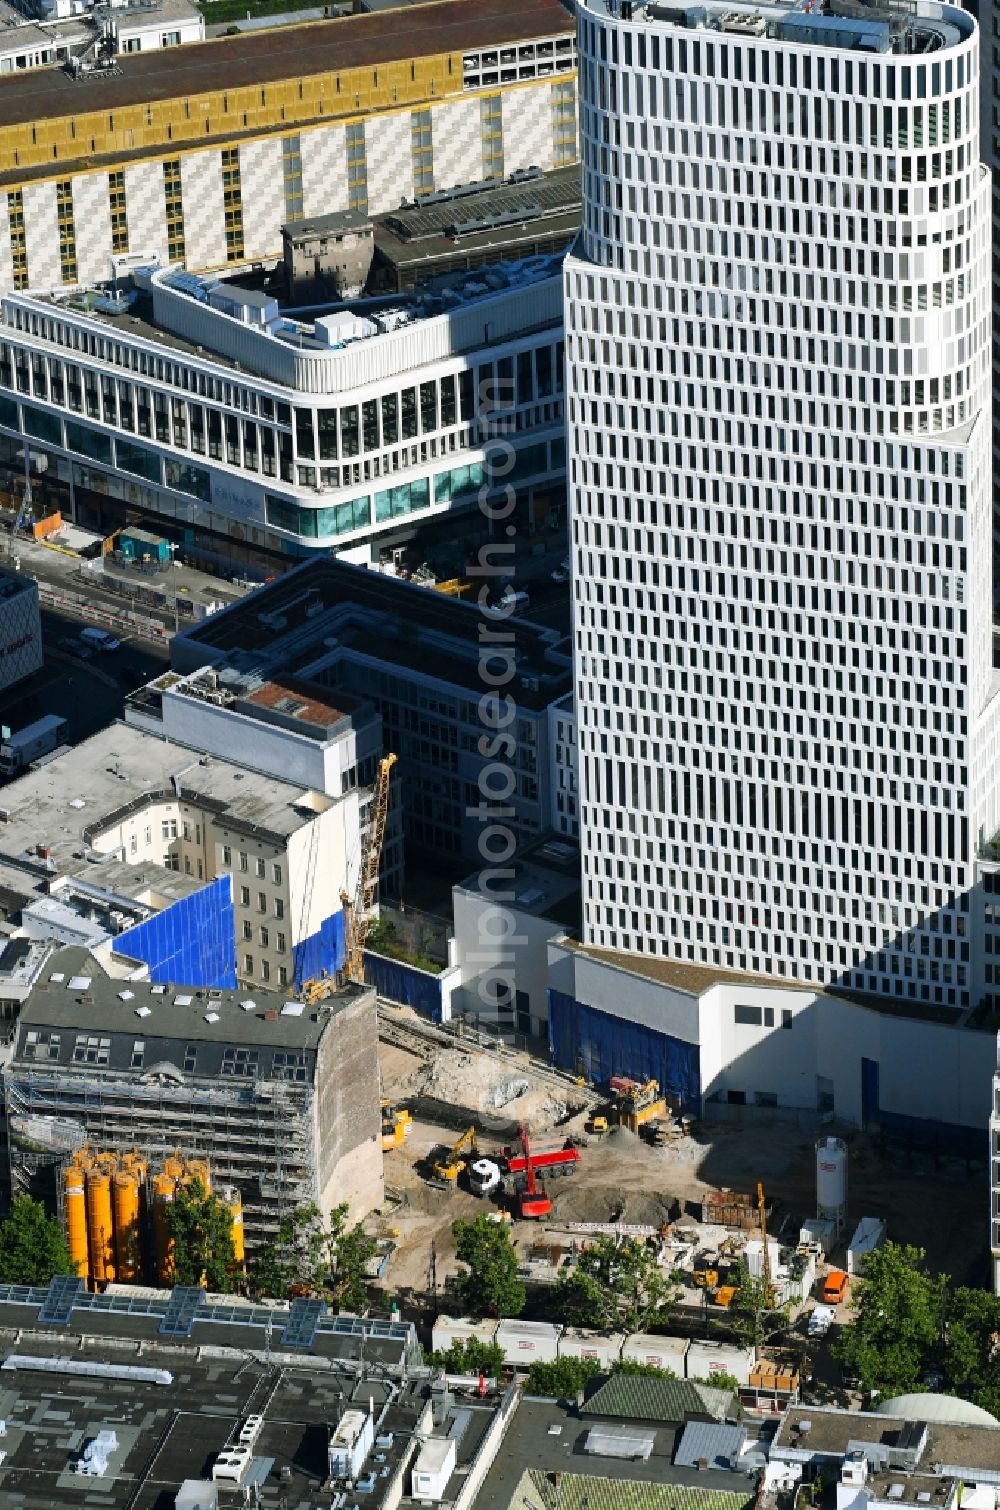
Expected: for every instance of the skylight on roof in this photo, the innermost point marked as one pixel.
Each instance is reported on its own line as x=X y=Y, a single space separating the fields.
x=78 y=983
x=143 y=1011
x=292 y=1009
x=248 y=1005
x=77 y=802
x=211 y=1016
x=158 y=990
x=183 y=1001
x=125 y=995
x=57 y=976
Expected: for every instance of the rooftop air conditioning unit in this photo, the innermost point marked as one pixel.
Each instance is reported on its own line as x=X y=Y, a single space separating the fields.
x=745 y=25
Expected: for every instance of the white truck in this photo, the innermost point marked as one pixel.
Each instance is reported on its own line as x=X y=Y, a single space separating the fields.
x=18 y=750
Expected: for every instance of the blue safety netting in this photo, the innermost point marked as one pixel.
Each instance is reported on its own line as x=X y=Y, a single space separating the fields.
x=323 y=951
x=592 y=1043
x=192 y=942
x=403 y=983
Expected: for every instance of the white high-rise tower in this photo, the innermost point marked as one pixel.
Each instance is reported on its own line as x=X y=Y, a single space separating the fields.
x=778 y=371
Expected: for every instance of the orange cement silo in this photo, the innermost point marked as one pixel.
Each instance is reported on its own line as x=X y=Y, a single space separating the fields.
x=128 y=1224
x=164 y=1186
x=100 y=1226
x=231 y=1195
x=74 y=1187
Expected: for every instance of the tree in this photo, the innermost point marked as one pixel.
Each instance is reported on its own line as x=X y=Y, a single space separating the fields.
x=898 y=1310
x=201 y=1226
x=971 y=1356
x=310 y=1257
x=561 y=1380
x=617 y=1287
x=490 y=1286
x=636 y=1369
x=470 y=1356
x=753 y=1315
x=33 y=1247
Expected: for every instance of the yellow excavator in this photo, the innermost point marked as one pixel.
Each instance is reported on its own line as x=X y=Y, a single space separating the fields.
x=449 y=1166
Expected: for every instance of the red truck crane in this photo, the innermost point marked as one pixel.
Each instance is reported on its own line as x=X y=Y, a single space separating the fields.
x=532 y=1202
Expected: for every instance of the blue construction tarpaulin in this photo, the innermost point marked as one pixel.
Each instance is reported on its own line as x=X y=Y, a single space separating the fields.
x=322 y=952
x=192 y=942
x=587 y=1041
x=404 y=983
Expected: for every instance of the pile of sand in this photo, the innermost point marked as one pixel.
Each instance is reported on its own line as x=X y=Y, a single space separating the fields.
x=579 y=1202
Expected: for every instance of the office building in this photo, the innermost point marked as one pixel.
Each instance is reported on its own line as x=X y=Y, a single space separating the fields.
x=281 y=1098
x=995 y=1176
x=414 y=654
x=249 y=436
x=199 y=154
x=207 y=870
x=20 y=628
x=778 y=372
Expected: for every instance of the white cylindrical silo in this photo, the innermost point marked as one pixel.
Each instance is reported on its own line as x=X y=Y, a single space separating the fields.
x=831 y=1181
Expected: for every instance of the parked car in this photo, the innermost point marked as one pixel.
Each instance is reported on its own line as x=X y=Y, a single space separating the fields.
x=74 y=646
x=835 y=1287
x=821 y=1319
x=99 y=639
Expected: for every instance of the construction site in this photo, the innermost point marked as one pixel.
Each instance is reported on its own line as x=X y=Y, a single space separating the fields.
x=457 y=1114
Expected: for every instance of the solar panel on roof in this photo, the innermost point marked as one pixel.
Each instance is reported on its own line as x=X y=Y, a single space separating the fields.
x=58 y=1304
x=178 y=1318
x=303 y=1319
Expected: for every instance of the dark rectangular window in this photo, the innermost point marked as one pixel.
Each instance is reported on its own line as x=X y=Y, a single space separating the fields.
x=749 y=1016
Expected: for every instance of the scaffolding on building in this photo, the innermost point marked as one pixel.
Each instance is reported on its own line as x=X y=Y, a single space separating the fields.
x=258 y=1136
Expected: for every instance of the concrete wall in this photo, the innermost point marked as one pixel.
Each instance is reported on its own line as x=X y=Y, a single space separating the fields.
x=525 y=953
x=348 y=1119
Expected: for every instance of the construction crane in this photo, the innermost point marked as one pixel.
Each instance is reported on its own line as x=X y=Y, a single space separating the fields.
x=450 y=1166
x=358 y=909
x=532 y=1202
x=762 y=1213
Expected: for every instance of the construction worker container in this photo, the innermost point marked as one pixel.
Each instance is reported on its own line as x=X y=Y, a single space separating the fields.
x=528 y=1342
x=707 y=1358
x=100 y=1224
x=661 y=1352
x=75 y=1201
x=604 y=1347
x=450 y=1329
x=126 y=1201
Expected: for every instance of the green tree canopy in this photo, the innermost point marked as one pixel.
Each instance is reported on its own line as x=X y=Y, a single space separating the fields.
x=201 y=1226
x=753 y=1314
x=470 y=1355
x=971 y=1355
x=561 y=1380
x=489 y=1286
x=617 y=1287
x=33 y=1246
x=897 y=1316
x=310 y=1257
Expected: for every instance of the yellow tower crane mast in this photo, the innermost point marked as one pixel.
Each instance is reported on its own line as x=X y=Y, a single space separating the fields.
x=358 y=909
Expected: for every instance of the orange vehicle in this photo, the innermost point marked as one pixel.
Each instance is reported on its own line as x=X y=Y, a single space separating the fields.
x=835 y=1287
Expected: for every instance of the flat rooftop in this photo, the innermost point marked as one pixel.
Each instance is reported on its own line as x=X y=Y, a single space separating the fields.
x=927 y=28
x=832 y=1432
x=546 y=877
x=124 y=1314
x=372 y=615
x=293 y=52
x=75 y=993
x=171 y=1431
